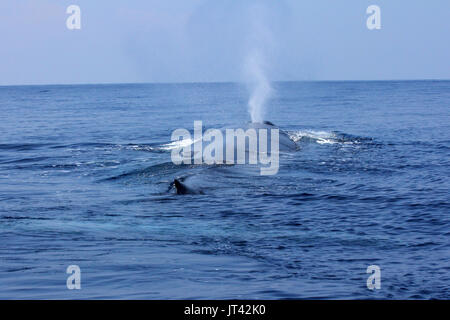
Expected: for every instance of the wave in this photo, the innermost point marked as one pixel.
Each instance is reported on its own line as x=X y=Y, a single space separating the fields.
x=177 y=144
x=160 y=169
x=325 y=137
x=23 y=146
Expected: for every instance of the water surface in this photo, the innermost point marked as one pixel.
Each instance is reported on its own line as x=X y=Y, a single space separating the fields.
x=85 y=180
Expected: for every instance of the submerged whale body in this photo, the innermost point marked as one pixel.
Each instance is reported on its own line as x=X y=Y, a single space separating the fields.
x=286 y=144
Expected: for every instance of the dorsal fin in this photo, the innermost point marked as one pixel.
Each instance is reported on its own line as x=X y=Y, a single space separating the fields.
x=181 y=188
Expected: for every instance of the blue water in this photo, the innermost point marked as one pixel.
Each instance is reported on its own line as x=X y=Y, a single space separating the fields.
x=85 y=180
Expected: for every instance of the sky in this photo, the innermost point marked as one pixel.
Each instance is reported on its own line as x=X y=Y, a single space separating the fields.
x=212 y=40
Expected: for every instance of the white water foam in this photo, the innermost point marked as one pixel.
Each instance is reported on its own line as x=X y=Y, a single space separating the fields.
x=177 y=144
x=320 y=137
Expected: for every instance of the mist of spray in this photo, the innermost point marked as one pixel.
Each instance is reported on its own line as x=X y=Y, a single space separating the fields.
x=255 y=67
x=259 y=86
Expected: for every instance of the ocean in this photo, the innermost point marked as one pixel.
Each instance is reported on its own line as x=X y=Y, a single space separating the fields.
x=86 y=179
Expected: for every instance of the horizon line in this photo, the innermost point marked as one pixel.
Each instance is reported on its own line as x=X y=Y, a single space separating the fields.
x=214 y=82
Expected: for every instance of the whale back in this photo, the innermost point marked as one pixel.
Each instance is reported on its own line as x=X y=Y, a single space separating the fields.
x=285 y=144
x=230 y=145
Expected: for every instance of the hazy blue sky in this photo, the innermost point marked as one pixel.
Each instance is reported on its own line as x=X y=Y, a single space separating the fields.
x=208 y=40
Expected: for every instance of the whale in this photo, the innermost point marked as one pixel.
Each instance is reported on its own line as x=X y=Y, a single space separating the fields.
x=285 y=145
x=181 y=188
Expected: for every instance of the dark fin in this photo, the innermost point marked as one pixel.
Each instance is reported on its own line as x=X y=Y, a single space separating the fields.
x=269 y=123
x=181 y=189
